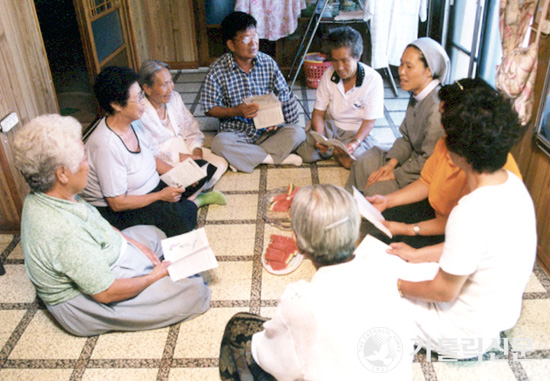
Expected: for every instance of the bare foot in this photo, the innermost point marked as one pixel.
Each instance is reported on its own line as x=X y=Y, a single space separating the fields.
x=344 y=160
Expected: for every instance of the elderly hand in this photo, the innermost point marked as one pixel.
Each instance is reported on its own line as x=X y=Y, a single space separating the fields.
x=384 y=173
x=352 y=146
x=160 y=270
x=378 y=201
x=322 y=148
x=171 y=194
x=272 y=128
x=247 y=110
x=403 y=251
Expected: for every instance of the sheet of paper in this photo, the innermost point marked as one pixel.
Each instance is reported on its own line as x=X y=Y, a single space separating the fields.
x=374 y=251
x=367 y=210
x=190 y=253
x=270 y=112
x=184 y=174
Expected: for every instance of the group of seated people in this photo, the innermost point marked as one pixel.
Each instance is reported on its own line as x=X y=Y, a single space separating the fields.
x=449 y=188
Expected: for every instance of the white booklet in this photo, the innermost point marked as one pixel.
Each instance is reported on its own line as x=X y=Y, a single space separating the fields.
x=367 y=210
x=190 y=253
x=374 y=251
x=270 y=112
x=330 y=143
x=184 y=174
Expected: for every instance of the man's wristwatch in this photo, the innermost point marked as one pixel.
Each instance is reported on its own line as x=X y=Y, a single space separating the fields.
x=416 y=229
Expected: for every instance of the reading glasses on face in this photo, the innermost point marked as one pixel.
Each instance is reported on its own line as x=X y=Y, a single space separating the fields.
x=141 y=98
x=248 y=39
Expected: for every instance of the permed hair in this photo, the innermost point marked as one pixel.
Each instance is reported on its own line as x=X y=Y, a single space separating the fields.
x=482 y=128
x=345 y=36
x=325 y=219
x=451 y=94
x=148 y=70
x=45 y=144
x=236 y=22
x=112 y=85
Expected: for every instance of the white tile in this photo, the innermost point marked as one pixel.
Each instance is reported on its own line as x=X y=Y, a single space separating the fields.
x=15 y=286
x=221 y=239
x=281 y=177
x=195 y=374
x=533 y=324
x=10 y=319
x=474 y=371
x=120 y=374
x=231 y=280
x=536 y=369
x=238 y=207
x=131 y=345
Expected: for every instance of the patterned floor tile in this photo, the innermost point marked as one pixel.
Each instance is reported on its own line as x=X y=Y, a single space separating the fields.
x=239 y=207
x=239 y=181
x=15 y=286
x=131 y=345
x=474 y=371
x=533 y=324
x=231 y=281
x=220 y=239
x=120 y=374
x=281 y=177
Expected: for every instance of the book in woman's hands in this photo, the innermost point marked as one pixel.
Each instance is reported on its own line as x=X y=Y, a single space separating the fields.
x=190 y=254
x=330 y=143
x=270 y=112
x=184 y=174
x=367 y=210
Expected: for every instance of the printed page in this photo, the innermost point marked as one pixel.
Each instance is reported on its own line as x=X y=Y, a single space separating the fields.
x=270 y=112
x=373 y=250
x=367 y=210
x=184 y=174
x=190 y=253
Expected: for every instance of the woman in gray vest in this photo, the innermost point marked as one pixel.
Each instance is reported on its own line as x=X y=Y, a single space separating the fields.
x=424 y=67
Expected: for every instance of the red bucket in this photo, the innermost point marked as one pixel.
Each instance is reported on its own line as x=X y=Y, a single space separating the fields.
x=314 y=69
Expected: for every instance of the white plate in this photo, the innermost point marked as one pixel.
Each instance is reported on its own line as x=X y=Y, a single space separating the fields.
x=293 y=265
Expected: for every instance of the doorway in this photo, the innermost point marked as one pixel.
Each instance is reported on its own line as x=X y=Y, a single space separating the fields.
x=58 y=24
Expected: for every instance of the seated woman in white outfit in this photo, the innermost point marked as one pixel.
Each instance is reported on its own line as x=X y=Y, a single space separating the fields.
x=91 y=277
x=175 y=133
x=327 y=328
x=490 y=236
x=348 y=101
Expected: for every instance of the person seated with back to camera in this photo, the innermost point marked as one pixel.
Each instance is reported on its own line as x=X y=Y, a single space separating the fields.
x=349 y=99
x=92 y=277
x=240 y=74
x=318 y=325
x=175 y=133
x=490 y=236
x=440 y=186
x=424 y=67
x=123 y=181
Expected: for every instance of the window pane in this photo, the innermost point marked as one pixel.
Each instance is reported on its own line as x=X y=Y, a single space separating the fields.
x=491 y=55
x=464 y=23
x=459 y=64
x=108 y=36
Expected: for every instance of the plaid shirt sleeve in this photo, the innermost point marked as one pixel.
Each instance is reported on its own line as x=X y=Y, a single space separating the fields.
x=287 y=98
x=211 y=95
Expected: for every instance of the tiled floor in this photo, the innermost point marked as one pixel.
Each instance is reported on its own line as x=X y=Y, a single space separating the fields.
x=32 y=346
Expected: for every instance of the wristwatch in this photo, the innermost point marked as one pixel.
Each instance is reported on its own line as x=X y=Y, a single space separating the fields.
x=416 y=229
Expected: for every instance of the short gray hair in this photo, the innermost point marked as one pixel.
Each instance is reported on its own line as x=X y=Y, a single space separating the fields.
x=325 y=219
x=44 y=144
x=345 y=36
x=148 y=70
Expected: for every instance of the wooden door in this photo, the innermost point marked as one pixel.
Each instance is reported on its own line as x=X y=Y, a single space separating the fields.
x=107 y=34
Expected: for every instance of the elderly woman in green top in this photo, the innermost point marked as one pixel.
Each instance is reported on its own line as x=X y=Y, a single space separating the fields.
x=92 y=277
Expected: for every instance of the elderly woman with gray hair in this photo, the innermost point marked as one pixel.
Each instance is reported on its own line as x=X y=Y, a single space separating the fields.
x=318 y=325
x=92 y=277
x=348 y=101
x=174 y=131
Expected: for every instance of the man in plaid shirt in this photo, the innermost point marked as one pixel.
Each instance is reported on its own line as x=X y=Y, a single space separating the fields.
x=235 y=76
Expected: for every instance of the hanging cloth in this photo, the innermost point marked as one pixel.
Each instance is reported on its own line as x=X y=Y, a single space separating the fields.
x=517 y=72
x=275 y=18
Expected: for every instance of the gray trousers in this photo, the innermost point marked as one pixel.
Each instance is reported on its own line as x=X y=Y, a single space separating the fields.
x=246 y=156
x=163 y=303
x=310 y=153
x=362 y=168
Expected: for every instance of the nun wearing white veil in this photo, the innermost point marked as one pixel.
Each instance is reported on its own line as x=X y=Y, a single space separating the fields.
x=425 y=66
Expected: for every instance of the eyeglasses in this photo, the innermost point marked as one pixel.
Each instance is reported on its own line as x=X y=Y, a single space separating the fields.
x=141 y=98
x=248 y=39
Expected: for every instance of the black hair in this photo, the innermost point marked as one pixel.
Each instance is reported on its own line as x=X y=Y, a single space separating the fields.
x=452 y=93
x=112 y=85
x=345 y=36
x=236 y=22
x=482 y=128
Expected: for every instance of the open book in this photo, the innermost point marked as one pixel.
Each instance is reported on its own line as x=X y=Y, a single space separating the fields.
x=270 y=112
x=190 y=253
x=330 y=143
x=184 y=174
x=367 y=210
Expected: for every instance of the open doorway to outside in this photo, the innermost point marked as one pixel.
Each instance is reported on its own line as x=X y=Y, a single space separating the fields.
x=61 y=37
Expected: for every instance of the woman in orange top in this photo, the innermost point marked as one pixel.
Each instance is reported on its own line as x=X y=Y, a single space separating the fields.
x=409 y=217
